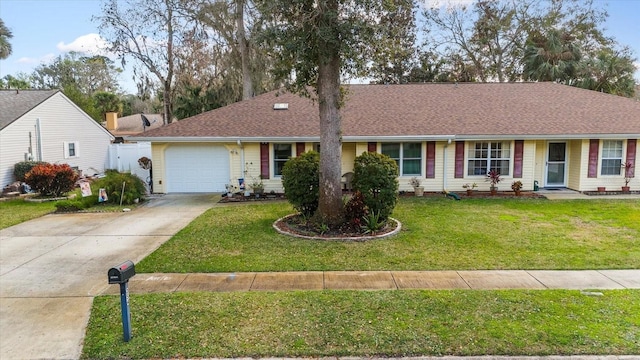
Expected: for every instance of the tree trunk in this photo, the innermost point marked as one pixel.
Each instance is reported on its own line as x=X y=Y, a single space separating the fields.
x=330 y=207
x=166 y=98
x=241 y=38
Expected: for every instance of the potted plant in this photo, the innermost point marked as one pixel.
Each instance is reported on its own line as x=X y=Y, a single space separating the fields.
x=258 y=187
x=230 y=189
x=516 y=186
x=470 y=188
x=628 y=174
x=494 y=178
x=415 y=182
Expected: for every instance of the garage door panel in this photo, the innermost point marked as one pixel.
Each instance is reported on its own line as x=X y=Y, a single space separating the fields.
x=192 y=168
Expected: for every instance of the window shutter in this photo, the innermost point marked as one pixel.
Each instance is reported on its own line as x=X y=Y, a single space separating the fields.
x=372 y=147
x=264 y=160
x=593 y=158
x=517 y=158
x=299 y=148
x=459 y=172
x=631 y=155
x=431 y=160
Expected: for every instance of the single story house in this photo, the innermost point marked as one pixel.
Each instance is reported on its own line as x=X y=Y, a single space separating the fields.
x=44 y=125
x=547 y=134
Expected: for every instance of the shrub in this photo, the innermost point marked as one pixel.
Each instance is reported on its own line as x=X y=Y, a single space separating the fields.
x=301 y=181
x=356 y=210
x=52 y=179
x=112 y=182
x=70 y=205
x=21 y=169
x=376 y=177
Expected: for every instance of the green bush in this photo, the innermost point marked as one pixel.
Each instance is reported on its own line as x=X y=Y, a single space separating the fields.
x=376 y=177
x=301 y=181
x=21 y=169
x=112 y=182
x=71 y=205
x=52 y=179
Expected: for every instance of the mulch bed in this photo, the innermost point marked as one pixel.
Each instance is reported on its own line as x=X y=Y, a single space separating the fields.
x=296 y=225
x=483 y=195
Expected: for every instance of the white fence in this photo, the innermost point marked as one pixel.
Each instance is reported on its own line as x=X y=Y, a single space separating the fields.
x=124 y=158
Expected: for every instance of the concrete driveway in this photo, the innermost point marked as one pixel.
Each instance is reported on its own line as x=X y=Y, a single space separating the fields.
x=53 y=266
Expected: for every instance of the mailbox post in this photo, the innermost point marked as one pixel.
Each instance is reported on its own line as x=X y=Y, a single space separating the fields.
x=120 y=275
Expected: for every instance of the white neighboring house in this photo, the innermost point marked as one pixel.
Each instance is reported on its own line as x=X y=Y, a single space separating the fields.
x=44 y=125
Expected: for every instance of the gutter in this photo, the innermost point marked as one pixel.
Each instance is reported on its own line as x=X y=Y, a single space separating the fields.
x=488 y=137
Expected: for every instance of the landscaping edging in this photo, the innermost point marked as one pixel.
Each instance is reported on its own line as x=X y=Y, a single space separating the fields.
x=340 y=238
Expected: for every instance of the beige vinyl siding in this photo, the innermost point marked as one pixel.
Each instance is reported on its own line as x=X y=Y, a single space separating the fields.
x=611 y=182
x=61 y=122
x=157 y=156
x=540 y=152
x=575 y=165
x=528 y=166
x=348 y=156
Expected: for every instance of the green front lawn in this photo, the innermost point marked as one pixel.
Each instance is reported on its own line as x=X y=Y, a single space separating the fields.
x=366 y=323
x=437 y=234
x=15 y=211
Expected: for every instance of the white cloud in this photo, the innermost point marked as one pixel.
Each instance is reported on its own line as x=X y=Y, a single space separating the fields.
x=92 y=44
x=434 y=4
x=33 y=61
x=27 y=60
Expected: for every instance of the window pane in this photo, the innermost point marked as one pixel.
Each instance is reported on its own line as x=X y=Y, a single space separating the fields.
x=391 y=150
x=611 y=166
x=611 y=157
x=412 y=150
x=500 y=166
x=72 y=149
x=411 y=167
x=477 y=167
x=281 y=153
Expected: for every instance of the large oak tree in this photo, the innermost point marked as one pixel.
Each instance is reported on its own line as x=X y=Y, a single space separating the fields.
x=315 y=43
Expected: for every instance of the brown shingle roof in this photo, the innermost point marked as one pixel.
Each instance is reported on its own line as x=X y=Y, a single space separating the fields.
x=465 y=110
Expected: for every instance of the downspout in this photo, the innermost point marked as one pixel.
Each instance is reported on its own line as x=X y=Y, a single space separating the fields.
x=243 y=167
x=39 y=139
x=444 y=166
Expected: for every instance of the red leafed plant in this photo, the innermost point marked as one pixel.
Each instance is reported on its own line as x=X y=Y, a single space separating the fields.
x=52 y=179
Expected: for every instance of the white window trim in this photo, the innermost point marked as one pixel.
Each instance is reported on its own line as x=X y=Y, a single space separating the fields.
x=402 y=158
x=602 y=158
x=471 y=145
x=273 y=158
x=76 y=147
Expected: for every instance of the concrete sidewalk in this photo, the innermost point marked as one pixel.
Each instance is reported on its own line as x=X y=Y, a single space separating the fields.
x=384 y=280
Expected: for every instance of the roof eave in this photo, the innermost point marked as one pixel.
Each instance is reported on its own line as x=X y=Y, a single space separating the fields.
x=227 y=139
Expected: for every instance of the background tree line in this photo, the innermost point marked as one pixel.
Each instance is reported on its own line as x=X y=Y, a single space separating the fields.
x=190 y=56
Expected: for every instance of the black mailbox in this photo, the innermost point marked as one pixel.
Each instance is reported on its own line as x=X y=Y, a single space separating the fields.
x=122 y=273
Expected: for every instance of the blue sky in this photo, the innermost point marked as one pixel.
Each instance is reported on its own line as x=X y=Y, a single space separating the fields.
x=44 y=29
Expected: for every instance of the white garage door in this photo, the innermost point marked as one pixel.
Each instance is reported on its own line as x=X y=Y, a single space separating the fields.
x=196 y=168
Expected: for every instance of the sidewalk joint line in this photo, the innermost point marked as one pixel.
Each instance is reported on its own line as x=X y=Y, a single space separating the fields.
x=600 y=272
x=538 y=280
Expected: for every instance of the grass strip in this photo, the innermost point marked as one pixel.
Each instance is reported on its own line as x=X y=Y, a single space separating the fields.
x=374 y=323
x=438 y=234
x=16 y=211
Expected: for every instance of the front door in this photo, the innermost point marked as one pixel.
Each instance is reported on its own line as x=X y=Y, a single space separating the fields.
x=556 y=165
